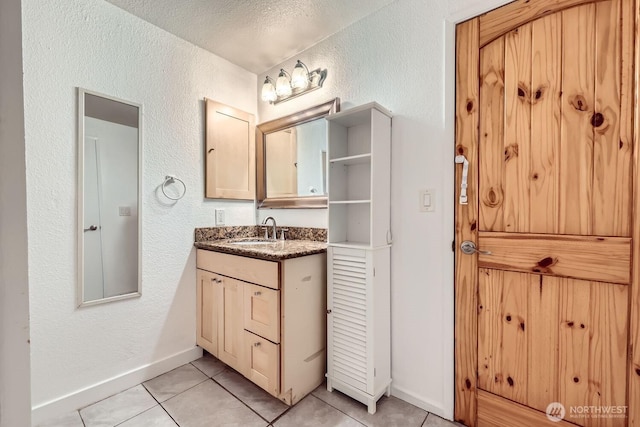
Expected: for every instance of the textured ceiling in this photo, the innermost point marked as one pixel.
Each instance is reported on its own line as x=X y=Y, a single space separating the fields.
x=254 y=34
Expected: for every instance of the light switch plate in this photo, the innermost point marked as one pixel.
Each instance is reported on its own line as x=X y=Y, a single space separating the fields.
x=427 y=200
x=124 y=210
x=219 y=216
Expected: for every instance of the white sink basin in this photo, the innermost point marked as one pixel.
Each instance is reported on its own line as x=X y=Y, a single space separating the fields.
x=253 y=242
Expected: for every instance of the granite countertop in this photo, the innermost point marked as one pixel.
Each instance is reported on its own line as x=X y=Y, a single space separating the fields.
x=302 y=242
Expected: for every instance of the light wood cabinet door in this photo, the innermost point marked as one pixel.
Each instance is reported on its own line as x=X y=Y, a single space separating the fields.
x=263 y=359
x=262 y=311
x=230 y=157
x=207 y=312
x=230 y=324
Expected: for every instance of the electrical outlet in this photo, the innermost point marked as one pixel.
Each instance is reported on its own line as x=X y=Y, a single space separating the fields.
x=219 y=216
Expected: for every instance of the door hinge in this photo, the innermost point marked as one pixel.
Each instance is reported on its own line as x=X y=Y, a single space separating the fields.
x=374 y=372
x=453 y=246
x=374 y=272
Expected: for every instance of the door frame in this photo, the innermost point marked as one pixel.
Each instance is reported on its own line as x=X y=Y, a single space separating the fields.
x=464 y=129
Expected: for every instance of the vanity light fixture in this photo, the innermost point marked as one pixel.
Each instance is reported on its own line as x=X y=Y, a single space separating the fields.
x=288 y=86
x=283 y=85
x=269 y=90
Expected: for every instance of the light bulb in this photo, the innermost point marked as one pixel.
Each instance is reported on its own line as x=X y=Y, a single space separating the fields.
x=268 y=91
x=283 y=86
x=300 y=76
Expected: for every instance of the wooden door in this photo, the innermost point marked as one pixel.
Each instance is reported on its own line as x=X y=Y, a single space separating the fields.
x=545 y=117
x=230 y=324
x=230 y=157
x=207 y=312
x=281 y=149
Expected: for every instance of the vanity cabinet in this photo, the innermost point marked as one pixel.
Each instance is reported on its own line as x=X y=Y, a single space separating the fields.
x=207 y=312
x=358 y=297
x=265 y=319
x=230 y=165
x=219 y=317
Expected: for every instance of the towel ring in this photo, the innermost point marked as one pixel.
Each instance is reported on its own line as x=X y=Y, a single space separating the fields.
x=169 y=179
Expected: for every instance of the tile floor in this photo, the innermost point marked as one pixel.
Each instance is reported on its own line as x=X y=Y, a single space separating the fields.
x=204 y=393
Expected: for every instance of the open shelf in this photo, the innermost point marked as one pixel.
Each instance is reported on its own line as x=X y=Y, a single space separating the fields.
x=353 y=245
x=353 y=160
x=348 y=202
x=359 y=153
x=350 y=222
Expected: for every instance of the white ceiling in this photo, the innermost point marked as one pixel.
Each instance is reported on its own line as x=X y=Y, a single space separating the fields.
x=254 y=34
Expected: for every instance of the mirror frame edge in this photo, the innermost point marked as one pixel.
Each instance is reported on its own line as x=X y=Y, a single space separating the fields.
x=80 y=200
x=300 y=117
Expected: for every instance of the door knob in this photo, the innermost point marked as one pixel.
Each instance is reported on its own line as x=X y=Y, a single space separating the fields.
x=469 y=248
x=91 y=228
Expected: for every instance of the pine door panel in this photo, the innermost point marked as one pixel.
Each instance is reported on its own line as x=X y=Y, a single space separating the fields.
x=576 y=140
x=612 y=160
x=543 y=305
x=517 y=135
x=502 y=343
x=546 y=72
x=492 y=136
x=547 y=339
x=547 y=311
x=607 y=259
x=554 y=95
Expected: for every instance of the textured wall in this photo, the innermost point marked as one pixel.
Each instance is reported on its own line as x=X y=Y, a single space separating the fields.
x=97 y=46
x=399 y=58
x=14 y=287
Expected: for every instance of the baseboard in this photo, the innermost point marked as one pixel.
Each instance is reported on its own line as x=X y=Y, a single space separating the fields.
x=96 y=392
x=429 y=406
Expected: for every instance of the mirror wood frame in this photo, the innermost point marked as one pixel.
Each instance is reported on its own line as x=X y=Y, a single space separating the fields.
x=80 y=194
x=262 y=130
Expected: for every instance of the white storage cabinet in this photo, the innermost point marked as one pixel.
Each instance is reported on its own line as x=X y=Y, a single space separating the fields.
x=358 y=302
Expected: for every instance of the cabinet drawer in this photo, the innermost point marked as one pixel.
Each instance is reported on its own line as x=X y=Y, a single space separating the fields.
x=251 y=270
x=262 y=311
x=263 y=359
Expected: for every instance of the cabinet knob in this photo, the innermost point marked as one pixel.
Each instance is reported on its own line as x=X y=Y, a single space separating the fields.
x=329 y=311
x=256 y=344
x=216 y=280
x=257 y=293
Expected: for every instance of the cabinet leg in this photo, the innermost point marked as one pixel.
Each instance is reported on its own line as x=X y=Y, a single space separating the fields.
x=371 y=407
x=388 y=392
x=329 y=386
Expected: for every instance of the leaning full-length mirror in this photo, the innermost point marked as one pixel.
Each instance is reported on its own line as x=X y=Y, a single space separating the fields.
x=109 y=165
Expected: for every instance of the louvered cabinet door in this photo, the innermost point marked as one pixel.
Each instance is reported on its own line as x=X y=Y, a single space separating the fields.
x=349 y=322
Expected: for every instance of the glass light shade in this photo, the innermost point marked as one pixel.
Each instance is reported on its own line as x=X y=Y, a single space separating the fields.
x=299 y=77
x=268 y=91
x=283 y=87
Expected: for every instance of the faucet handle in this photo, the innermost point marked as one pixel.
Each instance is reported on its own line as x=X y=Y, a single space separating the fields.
x=266 y=232
x=282 y=231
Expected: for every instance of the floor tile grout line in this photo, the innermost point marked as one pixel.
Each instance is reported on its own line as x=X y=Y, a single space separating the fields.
x=241 y=401
x=425 y=419
x=339 y=410
x=208 y=376
x=160 y=404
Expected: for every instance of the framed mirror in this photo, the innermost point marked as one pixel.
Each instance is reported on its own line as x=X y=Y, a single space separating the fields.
x=109 y=184
x=291 y=160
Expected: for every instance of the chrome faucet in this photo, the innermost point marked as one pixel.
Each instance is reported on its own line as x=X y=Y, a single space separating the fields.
x=266 y=234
